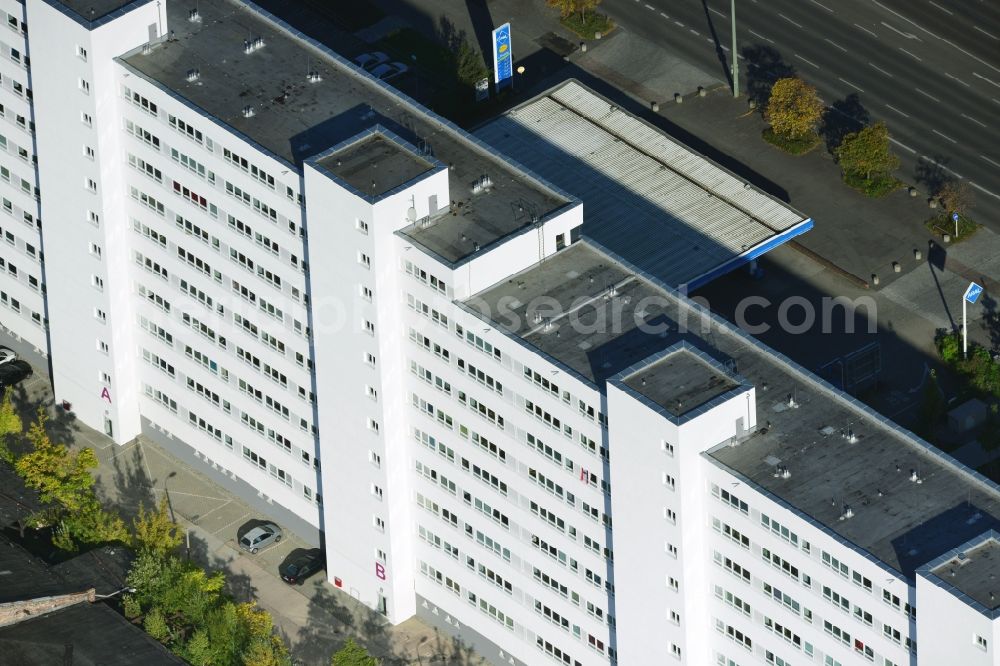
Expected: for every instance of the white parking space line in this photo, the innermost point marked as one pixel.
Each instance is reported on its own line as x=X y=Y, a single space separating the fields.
x=926 y=94
x=944 y=136
x=955 y=78
x=806 y=61
x=798 y=25
x=915 y=57
x=973 y=120
x=874 y=66
x=866 y=30
x=759 y=36
x=890 y=106
x=832 y=43
x=851 y=84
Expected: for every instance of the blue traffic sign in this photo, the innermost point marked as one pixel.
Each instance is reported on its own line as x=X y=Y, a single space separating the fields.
x=954 y=217
x=973 y=292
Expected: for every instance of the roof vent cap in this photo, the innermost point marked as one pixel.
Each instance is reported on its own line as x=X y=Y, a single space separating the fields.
x=314 y=76
x=194 y=16
x=249 y=111
x=193 y=74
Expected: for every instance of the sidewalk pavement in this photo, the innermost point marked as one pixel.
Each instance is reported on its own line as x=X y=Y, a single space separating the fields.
x=315 y=618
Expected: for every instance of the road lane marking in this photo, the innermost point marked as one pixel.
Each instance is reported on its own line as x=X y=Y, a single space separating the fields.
x=790 y=20
x=851 y=84
x=832 y=43
x=761 y=37
x=980 y=76
x=973 y=120
x=902 y=145
x=983 y=189
x=664 y=15
x=991 y=36
x=908 y=35
x=866 y=30
x=951 y=44
x=946 y=11
x=941 y=166
x=996 y=164
x=955 y=78
x=874 y=66
x=917 y=58
x=820 y=4
x=695 y=31
x=679 y=23
x=897 y=110
x=806 y=61
x=716 y=11
x=944 y=136
x=925 y=94
x=651 y=8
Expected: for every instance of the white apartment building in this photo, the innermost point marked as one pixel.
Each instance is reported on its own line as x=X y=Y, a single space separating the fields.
x=393 y=336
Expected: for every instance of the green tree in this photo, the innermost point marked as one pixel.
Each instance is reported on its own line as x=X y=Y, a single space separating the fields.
x=353 y=654
x=155 y=531
x=794 y=108
x=867 y=153
x=469 y=65
x=199 y=622
x=10 y=425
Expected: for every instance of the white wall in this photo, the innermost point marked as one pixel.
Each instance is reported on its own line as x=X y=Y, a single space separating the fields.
x=58 y=72
x=947 y=628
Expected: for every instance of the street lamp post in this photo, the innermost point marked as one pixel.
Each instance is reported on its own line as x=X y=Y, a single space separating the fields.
x=736 y=63
x=130 y=590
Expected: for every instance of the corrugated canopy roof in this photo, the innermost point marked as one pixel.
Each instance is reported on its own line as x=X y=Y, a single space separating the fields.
x=653 y=200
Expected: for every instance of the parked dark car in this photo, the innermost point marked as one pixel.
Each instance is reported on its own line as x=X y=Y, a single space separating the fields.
x=14 y=371
x=297 y=567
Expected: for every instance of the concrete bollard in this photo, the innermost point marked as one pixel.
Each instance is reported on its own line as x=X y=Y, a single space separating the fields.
x=875 y=278
x=583 y=47
x=918 y=255
x=597 y=35
x=701 y=91
x=946 y=238
x=678 y=98
x=896 y=268
x=932 y=203
x=655 y=106
x=913 y=192
x=752 y=104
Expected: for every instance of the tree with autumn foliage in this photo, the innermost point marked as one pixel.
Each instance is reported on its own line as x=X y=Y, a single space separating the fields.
x=867 y=160
x=10 y=425
x=155 y=531
x=66 y=491
x=569 y=7
x=956 y=197
x=793 y=109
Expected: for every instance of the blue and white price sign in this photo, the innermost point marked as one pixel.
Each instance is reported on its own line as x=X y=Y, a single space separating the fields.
x=503 y=60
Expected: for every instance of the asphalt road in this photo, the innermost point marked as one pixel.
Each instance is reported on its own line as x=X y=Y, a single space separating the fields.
x=929 y=69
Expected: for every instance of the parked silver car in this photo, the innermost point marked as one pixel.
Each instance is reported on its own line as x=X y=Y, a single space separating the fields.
x=260 y=537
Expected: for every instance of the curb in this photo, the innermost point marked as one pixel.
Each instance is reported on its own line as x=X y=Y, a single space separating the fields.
x=826 y=263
